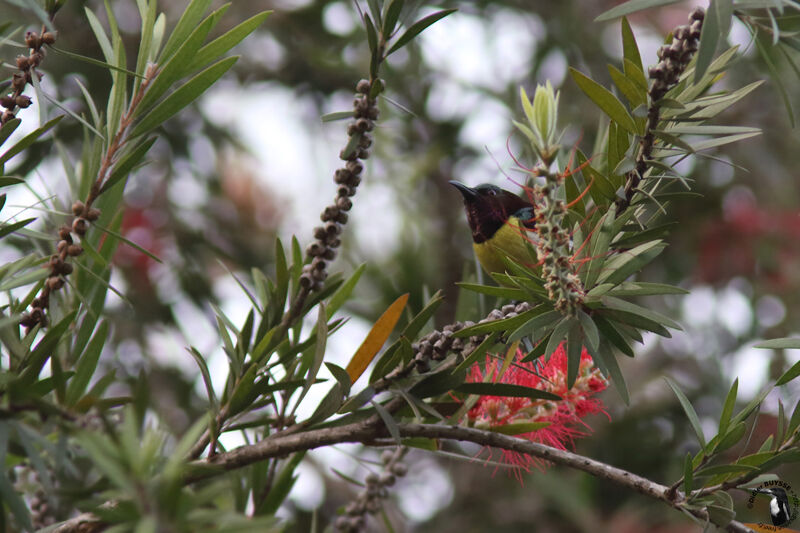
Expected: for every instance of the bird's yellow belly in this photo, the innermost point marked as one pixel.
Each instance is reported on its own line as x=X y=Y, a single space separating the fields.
x=512 y=240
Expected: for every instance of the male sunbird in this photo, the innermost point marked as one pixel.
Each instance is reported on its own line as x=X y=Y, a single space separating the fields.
x=500 y=222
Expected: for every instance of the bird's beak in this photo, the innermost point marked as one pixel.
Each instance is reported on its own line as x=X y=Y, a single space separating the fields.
x=467 y=192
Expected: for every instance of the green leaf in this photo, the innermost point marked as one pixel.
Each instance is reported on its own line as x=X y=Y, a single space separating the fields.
x=186 y=25
x=100 y=34
x=209 y=384
x=9 y=128
x=95 y=62
x=392 y=16
x=789 y=375
x=630 y=50
x=372 y=35
x=536 y=327
x=417 y=28
x=622 y=305
x=724 y=16
x=336 y=115
x=591 y=334
x=786 y=343
x=618 y=268
x=228 y=40
x=631 y=90
x=481 y=349
x=342 y=294
x=279 y=491
x=175 y=67
x=506 y=390
x=243 y=394
x=603 y=233
x=560 y=332
x=605 y=100
x=689 y=410
x=418 y=322
x=613 y=335
x=574 y=349
x=387 y=419
x=635 y=320
x=727 y=408
x=125 y=165
x=29 y=139
x=632 y=6
x=341 y=375
x=183 y=96
x=328 y=406
x=642 y=288
x=505 y=324
x=709 y=39
x=754 y=404
x=731 y=438
x=491 y=290
x=7 y=229
x=319 y=350
x=687 y=474
x=87 y=364
x=14 y=501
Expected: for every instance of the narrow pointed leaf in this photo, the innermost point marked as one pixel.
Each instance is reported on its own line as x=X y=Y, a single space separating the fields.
x=376 y=338
x=183 y=96
x=417 y=28
x=506 y=390
x=605 y=100
x=342 y=294
x=689 y=410
x=632 y=6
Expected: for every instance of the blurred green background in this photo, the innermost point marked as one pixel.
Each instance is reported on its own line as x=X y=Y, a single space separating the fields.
x=254 y=161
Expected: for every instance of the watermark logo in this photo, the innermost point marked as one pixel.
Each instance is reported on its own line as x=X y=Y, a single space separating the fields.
x=784 y=504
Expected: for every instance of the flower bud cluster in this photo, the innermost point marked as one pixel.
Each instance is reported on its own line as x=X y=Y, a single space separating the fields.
x=26 y=64
x=370 y=500
x=58 y=265
x=564 y=288
x=334 y=217
x=542 y=128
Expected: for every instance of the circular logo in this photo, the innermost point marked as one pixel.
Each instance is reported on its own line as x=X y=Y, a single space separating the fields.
x=784 y=504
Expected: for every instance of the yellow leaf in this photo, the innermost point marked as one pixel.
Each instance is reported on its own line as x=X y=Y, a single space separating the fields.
x=375 y=338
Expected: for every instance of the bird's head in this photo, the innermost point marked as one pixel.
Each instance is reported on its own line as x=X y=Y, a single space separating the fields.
x=488 y=208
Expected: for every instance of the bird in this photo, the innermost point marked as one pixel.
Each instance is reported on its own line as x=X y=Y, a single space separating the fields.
x=778 y=505
x=501 y=224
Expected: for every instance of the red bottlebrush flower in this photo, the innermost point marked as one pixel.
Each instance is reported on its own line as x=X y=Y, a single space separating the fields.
x=563 y=417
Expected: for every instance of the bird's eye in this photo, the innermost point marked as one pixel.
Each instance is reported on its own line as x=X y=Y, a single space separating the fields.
x=491 y=192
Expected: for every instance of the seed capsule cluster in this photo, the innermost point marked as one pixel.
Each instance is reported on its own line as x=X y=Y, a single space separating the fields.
x=673 y=60
x=19 y=80
x=437 y=344
x=347 y=178
x=674 y=57
x=370 y=500
x=58 y=265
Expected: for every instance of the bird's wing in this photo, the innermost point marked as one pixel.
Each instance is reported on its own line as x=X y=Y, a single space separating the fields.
x=526 y=215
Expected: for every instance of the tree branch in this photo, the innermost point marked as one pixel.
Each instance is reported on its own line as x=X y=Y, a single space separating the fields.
x=371 y=432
